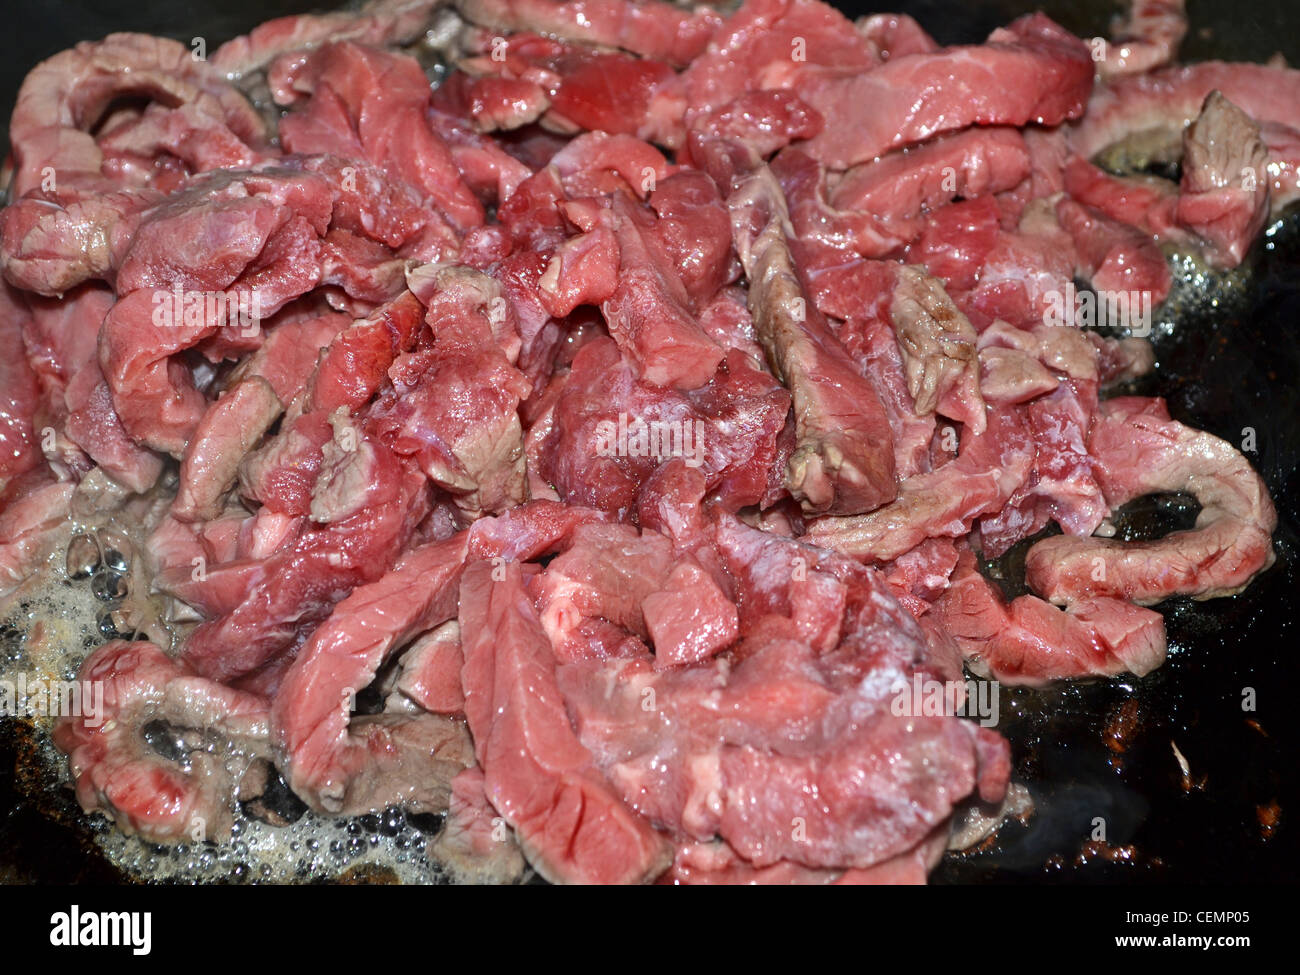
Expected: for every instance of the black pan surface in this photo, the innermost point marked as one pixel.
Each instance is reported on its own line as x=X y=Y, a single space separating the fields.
x=1087 y=751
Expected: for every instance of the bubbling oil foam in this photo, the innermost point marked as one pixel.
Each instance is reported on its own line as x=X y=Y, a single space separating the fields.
x=47 y=629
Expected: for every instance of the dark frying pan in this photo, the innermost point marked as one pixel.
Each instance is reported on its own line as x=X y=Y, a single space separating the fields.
x=1099 y=749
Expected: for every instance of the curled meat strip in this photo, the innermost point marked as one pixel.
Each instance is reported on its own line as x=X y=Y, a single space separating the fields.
x=1139 y=450
x=186 y=789
x=71 y=217
x=65 y=96
x=1147 y=37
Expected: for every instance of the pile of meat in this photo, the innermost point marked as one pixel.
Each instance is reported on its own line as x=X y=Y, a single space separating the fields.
x=632 y=408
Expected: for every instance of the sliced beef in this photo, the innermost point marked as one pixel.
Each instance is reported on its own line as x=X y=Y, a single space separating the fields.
x=938 y=348
x=1031 y=71
x=19 y=394
x=1222 y=201
x=627 y=408
x=769 y=44
x=234 y=424
x=771 y=755
x=50 y=247
x=843 y=460
x=430 y=671
x=1219 y=202
x=1030 y=641
x=804 y=182
x=60 y=338
x=475 y=844
x=1138 y=450
x=988 y=469
x=873 y=343
x=1116 y=259
x=452 y=407
x=652 y=29
x=118 y=770
x=379 y=23
x=287 y=357
x=1146 y=37
x=64 y=97
x=32 y=512
x=571 y=825
x=649 y=313
x=304 y=580
x=763 y=121
x=614 y=574
x=1145 y=115
x=894 y=35
x=342 y=764
x=609 y=432
x=901 y=187
x=370 y=105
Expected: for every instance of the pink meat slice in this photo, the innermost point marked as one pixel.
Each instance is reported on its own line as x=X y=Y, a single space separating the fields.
x=287 y=357
x=347 y=765
x=1218 y=202
x=804 y=181
x=453 y=408
x=1170 y=98
x=570 y=824
x=759 y=48
x=32 y=510
x=614 y=573
x=988 y=469
x=1224 y=196
x=474 y=843
x=876 y=347
x=900 y=188
x=1115 y=258
x=937 y=343
x=530 y=531
x=430 y=671
x=599 y=450
x=116 y=770
x=356 y=362
x=66 y=95
x=188 y=248
x=843 y=462
x=369 y=104
x=50 y=247
x=60 y=337
x=764 y=121
x=1030 y=71
x=304 y=580
x=1146 y=37
x=695 y=231
x=894 y=35
x=379 y=23
x=19 y=394
x=232 y=427
x=1138 y=450
x=347 y=373
x=651 y=29
x=1030 y=641
x=782 y=755
x=649 y=312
